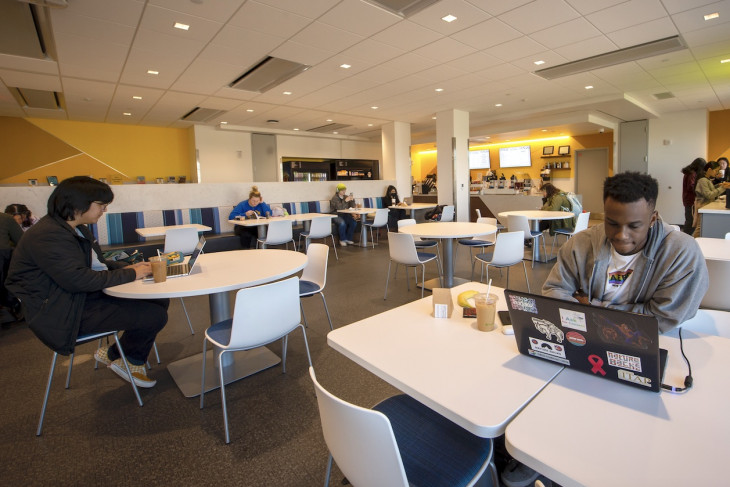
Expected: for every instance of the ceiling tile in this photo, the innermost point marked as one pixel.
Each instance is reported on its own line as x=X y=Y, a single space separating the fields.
x=34 y=81
x=586 y=7
x=626 y=14
x=570 y=32
x=539 y=15
x=217 y=10
x=515 y=49
x=163 y=20
x=676 y=6
x=694 y=19
x=646 y=32
x=466 y=15
x=47 y=66
x=475 y=62
x=497 y=7
x=444 y=50
x=74 y=53
x=587 y=48
x=126 y=12
x=359 y=18
x=96 y=29
x=407 y=36
x=325 y=37
x=264 y=18
x=300 y=53
x=206 y=76
x=310 y=8
x=157 y=42
x=487 y=34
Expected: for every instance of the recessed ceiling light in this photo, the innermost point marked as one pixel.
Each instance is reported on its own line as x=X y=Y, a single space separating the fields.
x=433 y=118
x=374 y=108
x=544 y=130
x=152 y=71
x=439 y=89
x=296 y=129
x=287 y=93
x=181 y=26
x=539 y=62
x=370 y=125
x=328 y=120
x=723 y=61
x=136 y=97
x=249 y=110
x=497 y=104
x=127 y=114
x=589 y=87
x=712 y=16
x=224 y=123
x=448 y=18
x=345 y=66
x=335 y=133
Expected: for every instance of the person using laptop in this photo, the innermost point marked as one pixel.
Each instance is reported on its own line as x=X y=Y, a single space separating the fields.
x=345 y=223
x=634 y=261
x=58 y=273
x=253 y=207
x=391 y=199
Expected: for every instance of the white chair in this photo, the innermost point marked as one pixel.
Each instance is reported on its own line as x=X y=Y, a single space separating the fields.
x=519 y=223
x=262 y=314
x=80 y=340
x=508 y=251
x=581 y=224
x=716 y=296
x=278 y=233
x=314 y=277
x=380 y=221
x=478 y=242
x=319 y=228
x=182 y=240
x=727 y=236
x=399 y=442
x=447 y=214
x=403 y=251
x=479 y=213
x=420 y=243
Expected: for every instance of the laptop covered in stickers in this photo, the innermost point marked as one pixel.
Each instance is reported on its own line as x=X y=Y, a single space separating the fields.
x=603 y=342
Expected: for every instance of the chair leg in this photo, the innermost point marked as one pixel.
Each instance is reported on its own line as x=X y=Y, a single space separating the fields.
x=423 y=278
x=70 y=367
x=45 y=397
x=284 y=344
x=301 y=307
x=202 y=380
x=387 y=279
x=157 y=354
x=223 y=396
x=326 y=310
x=507 y=287
x=329 y=471
x=334 y=246
x=306 y=345
x=126 y=366
x=525 y=269
x=190 y=325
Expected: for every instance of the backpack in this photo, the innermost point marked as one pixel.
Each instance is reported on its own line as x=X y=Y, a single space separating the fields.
x=434 y=214
x=575 y=205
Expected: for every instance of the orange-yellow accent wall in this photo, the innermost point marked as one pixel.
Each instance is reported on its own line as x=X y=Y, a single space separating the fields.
x=719 y=135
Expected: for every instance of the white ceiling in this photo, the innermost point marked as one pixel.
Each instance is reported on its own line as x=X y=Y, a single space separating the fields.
x=103 y=49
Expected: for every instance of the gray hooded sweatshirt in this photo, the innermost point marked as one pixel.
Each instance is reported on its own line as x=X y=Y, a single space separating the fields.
x=669 y=280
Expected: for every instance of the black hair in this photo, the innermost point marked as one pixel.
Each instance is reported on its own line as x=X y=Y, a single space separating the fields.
x=697 y=166
x=22 y=210
x=723 y=158
x=628 y=187
x=75 y=195
x=391 y=188
x=711 y=165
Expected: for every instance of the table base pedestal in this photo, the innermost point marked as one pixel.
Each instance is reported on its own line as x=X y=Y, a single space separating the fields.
x=436 y=282
x=187 y=372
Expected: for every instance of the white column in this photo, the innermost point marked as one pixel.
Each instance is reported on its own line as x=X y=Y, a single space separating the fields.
x=396 y=137
x=452 y=144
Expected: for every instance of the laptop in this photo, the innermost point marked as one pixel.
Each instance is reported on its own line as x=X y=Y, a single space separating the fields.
x=603 y=342
x=184 y=269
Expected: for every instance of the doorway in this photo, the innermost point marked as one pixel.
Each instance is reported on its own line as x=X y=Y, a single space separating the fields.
x=591 y=169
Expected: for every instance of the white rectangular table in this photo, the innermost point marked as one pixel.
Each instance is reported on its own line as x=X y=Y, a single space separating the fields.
x=476 y=379
x=160 y=231
x=581 y=430
x=262 y=223
x=714 y=248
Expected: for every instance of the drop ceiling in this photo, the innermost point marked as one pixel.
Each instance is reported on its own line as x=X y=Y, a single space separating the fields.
x=98 y=54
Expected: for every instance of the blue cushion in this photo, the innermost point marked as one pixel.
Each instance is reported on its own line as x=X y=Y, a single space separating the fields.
x=475 y=243
x=426 y=243
x=221 y=331
x=487 y=256
x=307 y=287
x=563 y=231
x=434 y=450
x=425 y=256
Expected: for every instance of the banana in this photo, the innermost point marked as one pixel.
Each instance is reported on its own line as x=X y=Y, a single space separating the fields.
x=466 y=299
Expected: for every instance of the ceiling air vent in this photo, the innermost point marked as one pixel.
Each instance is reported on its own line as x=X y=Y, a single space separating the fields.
x=663 y=96
x=28 y=98
x=198 y=114
x=267 y=73
x=633 y=53
x=403 y=8
x=330 y=127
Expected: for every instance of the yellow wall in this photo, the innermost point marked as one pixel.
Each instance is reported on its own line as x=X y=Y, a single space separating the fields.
x=423 y=157
x=37 y=148
x=719 y=135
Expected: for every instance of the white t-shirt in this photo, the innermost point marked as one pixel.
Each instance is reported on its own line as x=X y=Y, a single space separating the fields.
x=620 y=270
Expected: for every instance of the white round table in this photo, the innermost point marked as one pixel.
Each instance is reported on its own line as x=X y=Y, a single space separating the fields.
x=216 y=274
x=534 y=217
x=448 y=232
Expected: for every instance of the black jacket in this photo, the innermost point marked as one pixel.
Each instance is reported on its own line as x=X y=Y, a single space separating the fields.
x=51 y=274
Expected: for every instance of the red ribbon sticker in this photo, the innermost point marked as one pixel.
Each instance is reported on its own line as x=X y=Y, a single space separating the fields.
x=596 y=362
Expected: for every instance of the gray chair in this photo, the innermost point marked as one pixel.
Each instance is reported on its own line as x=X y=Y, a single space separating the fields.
x=519 y=223
x=380 y=221
x=479 y=242
x=279 y=233
x=403 y=251
x=182 y=240
x=319 y=228
x=421 y=243
x=580 y=224
x=508 y=251
x=314 y=277
x=447 y=214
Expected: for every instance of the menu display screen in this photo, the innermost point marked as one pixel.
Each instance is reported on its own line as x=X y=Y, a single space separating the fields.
x=518 y=156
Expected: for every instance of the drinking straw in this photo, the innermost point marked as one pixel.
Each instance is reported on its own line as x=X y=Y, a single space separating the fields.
x=489 y=286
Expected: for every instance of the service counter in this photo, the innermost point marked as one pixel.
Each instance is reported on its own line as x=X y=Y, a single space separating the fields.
x=492 y=204
x=715 y=220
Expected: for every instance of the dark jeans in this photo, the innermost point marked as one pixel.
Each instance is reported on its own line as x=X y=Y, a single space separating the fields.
x=247 y=235
x=393 y=217
x=688 y=228
x=346 y=226
x=141 y=320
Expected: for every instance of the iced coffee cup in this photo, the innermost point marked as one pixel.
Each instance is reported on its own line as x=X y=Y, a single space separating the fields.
x=159 y=268
x=486 y=305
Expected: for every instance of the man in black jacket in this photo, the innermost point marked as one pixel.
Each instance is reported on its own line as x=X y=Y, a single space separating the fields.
x=58 y=273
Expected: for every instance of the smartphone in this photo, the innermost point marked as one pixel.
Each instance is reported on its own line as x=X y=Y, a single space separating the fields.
x=504 y=317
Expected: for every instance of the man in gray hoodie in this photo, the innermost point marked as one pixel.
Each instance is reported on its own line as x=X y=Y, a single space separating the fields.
x=634 y=261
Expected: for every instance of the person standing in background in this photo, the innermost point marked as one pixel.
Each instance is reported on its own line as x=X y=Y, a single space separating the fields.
x=689 y=181
x=706 y=192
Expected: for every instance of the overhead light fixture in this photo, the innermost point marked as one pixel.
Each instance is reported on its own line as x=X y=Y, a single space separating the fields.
x=612 y=58
x=250 y=110
x=374 y=108
x=345 y=66
x=286 y=93
x=272 y=121
x=370 y=125
x=439 y=89
x=136 y=97
x=401 y=8
x=544 y=130
x=723 y=61
x=328 y=120
x=540 y=62
x=335 y=133
x=497 y=104
x=433 y=118
x=268 y=73
x=448 y=18
x=224 y=123
x=127 y=114
x=589 y=87
x=181 y=26
x=152 y=71
x=296 y=129
x=712 y=16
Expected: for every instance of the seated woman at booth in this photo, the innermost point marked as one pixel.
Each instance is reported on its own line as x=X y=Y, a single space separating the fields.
x=391 y=199
x=556 y=200
x=251 y=208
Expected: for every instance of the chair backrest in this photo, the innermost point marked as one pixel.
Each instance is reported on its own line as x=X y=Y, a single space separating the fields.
x=518 y=223
x=405 y=222
x=320 y=227
x=447 y=214
x=402 y=248
x=279 y=232
x=727 y=236
x=716 y=295
x=492 y=237
x=381 y=217
x=181 y=239
x=479 y=213
x=316 y=268
x=360 y=440
x=509 y=248
x=265 y=313
x=582 y=222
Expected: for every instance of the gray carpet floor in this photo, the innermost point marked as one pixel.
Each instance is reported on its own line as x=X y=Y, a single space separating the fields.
x=96 y=434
